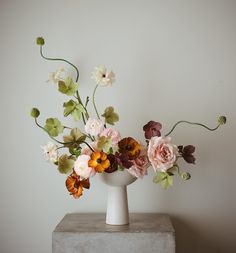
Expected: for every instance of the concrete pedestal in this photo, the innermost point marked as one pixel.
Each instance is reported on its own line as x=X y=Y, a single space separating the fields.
x=88 y=233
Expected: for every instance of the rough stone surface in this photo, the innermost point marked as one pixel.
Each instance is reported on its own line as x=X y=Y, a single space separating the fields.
x=88 y=233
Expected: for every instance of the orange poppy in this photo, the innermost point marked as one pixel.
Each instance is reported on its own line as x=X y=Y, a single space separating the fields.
x=99 y=161
x=130 y=147
x=75 y=186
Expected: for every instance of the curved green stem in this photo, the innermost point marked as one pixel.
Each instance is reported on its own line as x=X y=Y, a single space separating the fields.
x=60 y=59
x=191 y=123
x=77 y=74
x=88 y=146
x=94 y=105
x=60 y=142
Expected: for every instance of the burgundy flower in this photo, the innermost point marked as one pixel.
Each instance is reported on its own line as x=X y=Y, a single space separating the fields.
x=187 y=153
x=123 y=160
x=152 y=128
x=113 y=163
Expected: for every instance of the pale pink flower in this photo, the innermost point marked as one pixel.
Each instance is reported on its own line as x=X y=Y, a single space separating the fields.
x=94 y=126
x=113 y=134
x=81 y=167
x=50 y=151
x=140 y=165
x=161 y=153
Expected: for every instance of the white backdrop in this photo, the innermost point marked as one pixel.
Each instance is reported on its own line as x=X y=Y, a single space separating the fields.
x=173 y=60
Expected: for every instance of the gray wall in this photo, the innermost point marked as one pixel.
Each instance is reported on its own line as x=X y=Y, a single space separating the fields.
x=173 y=60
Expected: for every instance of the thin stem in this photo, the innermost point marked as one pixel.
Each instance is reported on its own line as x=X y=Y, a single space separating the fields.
x=60 y=59
x=94 y=105
x=71 y=64
x=88 y=146
x=60 y=142
x=191 y=123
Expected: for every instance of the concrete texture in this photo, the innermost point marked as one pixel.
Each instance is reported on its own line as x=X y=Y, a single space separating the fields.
x=88 y=233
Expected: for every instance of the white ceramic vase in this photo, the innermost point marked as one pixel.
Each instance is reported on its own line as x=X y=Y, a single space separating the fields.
x=117 y=201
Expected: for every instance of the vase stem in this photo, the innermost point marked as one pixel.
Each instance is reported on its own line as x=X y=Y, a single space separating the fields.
x=117 y=206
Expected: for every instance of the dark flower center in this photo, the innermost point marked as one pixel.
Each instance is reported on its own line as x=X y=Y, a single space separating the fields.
x=99 y=160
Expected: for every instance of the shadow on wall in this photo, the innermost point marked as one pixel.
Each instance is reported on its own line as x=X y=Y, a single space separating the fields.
x=189 y=240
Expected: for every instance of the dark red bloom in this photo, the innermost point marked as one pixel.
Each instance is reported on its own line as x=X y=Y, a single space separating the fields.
x=123 y=160
x=113 y=163
x=187 y=153
x=152 y=128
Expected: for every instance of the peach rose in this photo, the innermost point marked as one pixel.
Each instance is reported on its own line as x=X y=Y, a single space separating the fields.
x=161 y=153
x=140 y=165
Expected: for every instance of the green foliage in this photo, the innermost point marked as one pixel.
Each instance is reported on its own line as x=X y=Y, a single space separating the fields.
x=65 y=164
x=35 y=113
x=74 y=140
x=104 y=143
x=68 y=87
x=164 y=179
x=40 y=41
x=73 y=108
x=53 y=127
x=110 y=116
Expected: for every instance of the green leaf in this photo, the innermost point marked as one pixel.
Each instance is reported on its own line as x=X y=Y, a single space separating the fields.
x=65 y=164
x=110 y=116
x=164 y=179
x=104 y=143
x=75 y=138
x=68 y=87
x=73 y=108
x=53 y=127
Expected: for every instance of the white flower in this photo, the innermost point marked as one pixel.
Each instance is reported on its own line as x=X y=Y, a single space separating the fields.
x=94 y=126
x=55 y=76
x=81 y=167
x=102 y=76
x=50 y=151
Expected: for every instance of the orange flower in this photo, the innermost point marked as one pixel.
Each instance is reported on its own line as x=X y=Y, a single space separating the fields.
x=99 y=161
x=75 y=186
x=130 y=147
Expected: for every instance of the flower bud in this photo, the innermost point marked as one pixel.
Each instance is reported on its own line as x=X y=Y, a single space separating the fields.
x=35 y=112
x=185 y=176
x=40 y=41
x=221 y=120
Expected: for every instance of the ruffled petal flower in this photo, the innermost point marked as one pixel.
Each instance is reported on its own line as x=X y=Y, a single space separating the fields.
x=94 y=126
x=51 y=152
x=162 y=153
x=55 y=77
x=102 y=76
x=82 y=168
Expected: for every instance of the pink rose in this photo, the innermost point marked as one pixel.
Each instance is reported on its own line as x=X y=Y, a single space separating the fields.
x=94 y=126
x=140 y=165
x=114 y=134
x=81 y=167
x=161 y=153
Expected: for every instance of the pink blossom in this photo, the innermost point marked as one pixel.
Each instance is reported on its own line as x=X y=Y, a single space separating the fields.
x=81 y=167
x=140 y=165
x=161 y=153
x=114 y=134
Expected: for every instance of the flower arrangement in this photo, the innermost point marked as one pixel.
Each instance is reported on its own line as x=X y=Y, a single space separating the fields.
x=99 y=148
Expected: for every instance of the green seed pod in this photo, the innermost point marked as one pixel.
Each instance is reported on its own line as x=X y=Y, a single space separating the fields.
x=40 y=41
x=221 y=120
x=35 y=113
x=185 y=176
